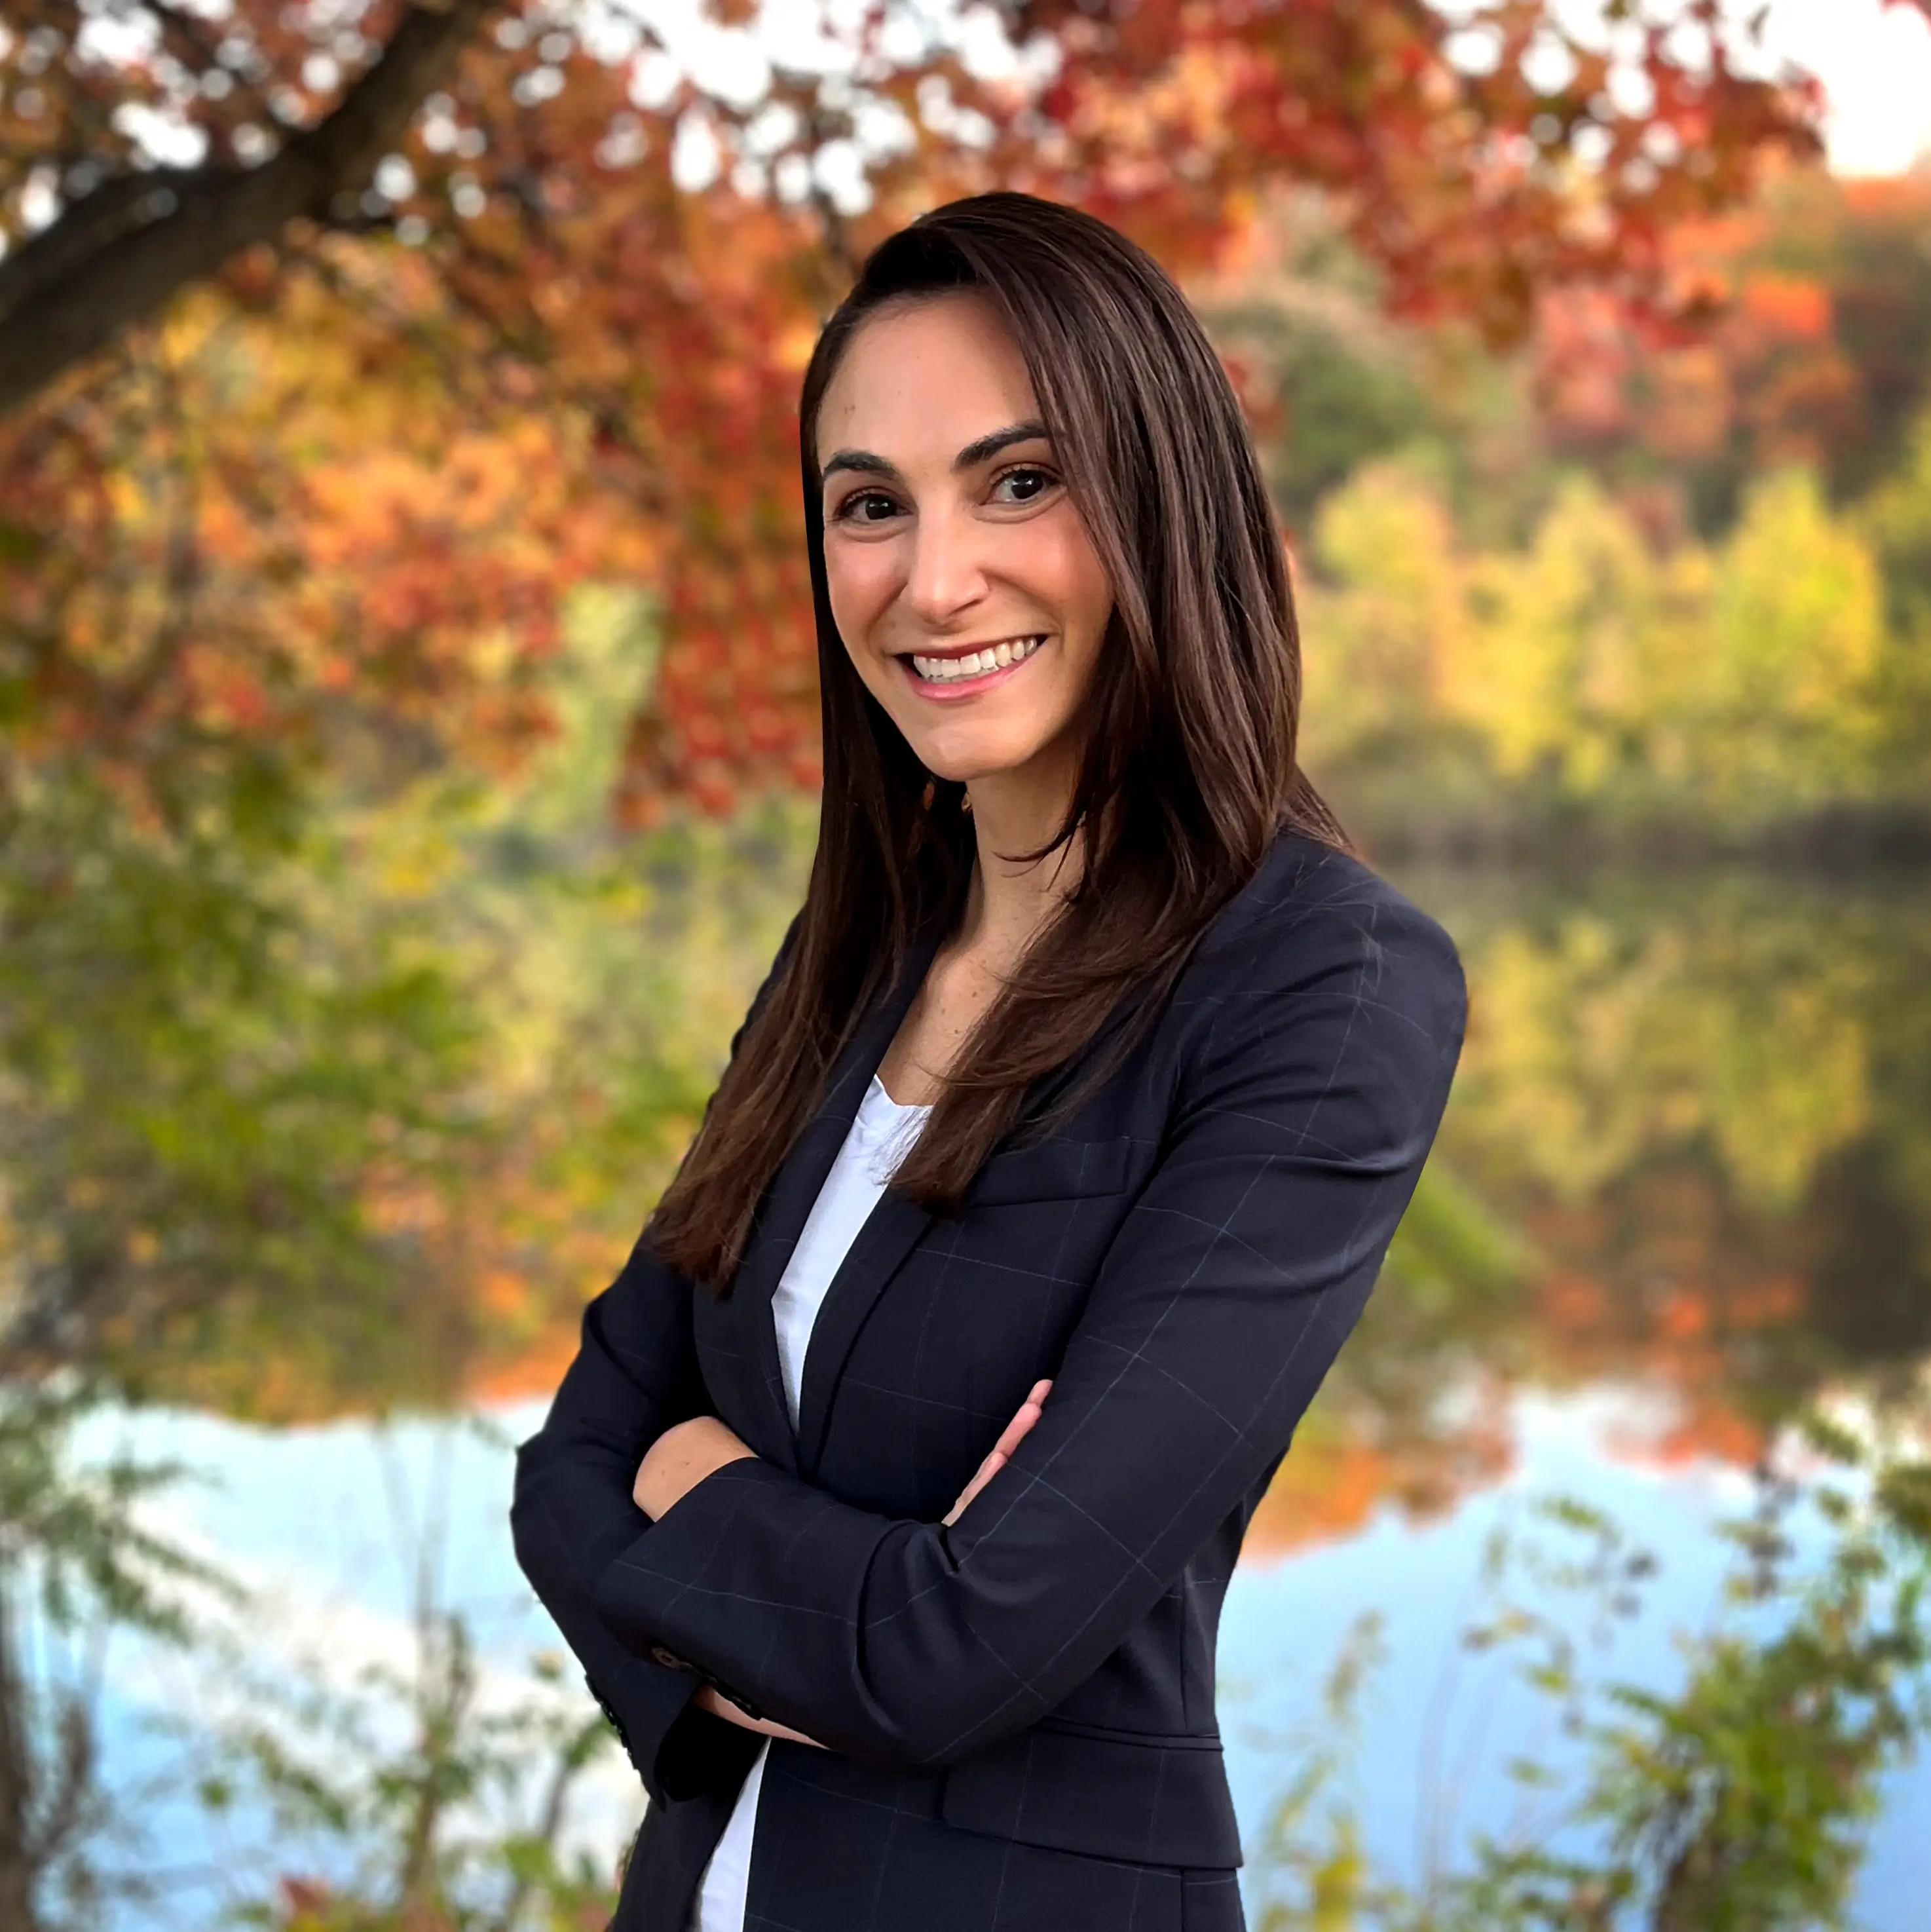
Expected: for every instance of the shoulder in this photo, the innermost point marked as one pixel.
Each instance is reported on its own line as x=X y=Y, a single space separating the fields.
x=1315 y=925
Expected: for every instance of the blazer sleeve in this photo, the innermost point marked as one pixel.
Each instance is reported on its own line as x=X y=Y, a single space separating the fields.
x=634 y=1375
x=1300 y=1128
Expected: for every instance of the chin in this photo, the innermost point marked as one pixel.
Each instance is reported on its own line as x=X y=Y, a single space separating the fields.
x=964 y=760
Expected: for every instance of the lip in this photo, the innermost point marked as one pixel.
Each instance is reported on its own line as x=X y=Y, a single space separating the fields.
x=952 y=691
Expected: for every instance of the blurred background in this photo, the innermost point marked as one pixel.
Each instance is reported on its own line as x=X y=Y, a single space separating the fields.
x=407 y=766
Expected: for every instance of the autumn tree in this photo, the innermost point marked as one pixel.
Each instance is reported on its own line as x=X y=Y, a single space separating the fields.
x=1816 y=350
x=549 y=239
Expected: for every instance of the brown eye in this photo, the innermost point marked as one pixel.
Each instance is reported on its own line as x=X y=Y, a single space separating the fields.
x=865 y=506
x=1025 y=484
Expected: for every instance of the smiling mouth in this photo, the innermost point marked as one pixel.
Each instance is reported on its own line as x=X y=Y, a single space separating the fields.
x=959 y=667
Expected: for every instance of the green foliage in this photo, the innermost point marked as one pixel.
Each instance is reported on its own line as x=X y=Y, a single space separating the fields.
x=331 y=1111
x=1740 y=1801
x=422 y=1797
x=1379 y=652
x=1719 y=1027
x=1344 y=386
x=1782 y=705
x=1451 y=1247
x=72 y=1539
x=1573 y=649
x=79 y=1560
x=1591 y=670
x=435 y=1794
x=1319 y=1875
x=1897 y=518
x=455 y=1826
x=213 y=1059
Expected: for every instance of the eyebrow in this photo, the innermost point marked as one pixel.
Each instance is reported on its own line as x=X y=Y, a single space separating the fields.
x=974 y=453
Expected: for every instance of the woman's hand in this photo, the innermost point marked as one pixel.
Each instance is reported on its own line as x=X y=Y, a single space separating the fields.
x=996 y=1457
x=680 y=1458
x=709 y=1444
x=684 y=1455
x=721 y=1706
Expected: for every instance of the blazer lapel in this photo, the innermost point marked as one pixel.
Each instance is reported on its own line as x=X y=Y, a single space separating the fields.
x=794 y=1189
x=890 y=1232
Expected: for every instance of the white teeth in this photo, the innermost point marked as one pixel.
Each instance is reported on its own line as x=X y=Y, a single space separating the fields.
x=975 y=664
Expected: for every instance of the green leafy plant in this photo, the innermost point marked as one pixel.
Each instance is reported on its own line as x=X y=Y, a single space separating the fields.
x=1740 y=1800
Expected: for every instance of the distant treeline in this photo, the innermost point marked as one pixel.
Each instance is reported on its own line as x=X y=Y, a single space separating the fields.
x=1624 y=587
x=1591 y=683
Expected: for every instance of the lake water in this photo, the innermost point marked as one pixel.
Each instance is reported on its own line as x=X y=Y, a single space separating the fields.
x=1684 y=1189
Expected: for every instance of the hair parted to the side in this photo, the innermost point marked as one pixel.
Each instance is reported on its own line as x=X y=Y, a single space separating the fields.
x=1189 y=769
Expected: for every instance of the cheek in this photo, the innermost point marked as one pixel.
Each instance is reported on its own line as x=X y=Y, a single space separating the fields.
x=1081 y=589
x=861 y=581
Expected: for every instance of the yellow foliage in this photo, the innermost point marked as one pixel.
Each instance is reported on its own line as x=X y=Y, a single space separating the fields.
x=1568 y=664
x=1747 y=678
x=1590 y=1051
x=1795 y=633
x=1385 y=630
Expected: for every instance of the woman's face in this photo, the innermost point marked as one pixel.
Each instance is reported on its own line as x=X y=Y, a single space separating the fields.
x=963 y=580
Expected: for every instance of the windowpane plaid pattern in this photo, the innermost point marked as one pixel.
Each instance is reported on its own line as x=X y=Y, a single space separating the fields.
x=1020 y=1708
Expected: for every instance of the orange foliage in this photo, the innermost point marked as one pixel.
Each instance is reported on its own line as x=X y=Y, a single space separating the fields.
x=1654 y=1290
x=1332 y=1483
x=1814 y=344
x=1680 y=1305
x=572 y=367
x=1784 y=307
x=536 y=1372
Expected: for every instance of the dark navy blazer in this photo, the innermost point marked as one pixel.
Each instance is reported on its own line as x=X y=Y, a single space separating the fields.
x=1019 y=1710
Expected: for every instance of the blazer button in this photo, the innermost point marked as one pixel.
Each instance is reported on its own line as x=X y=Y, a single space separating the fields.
x=669 y=1659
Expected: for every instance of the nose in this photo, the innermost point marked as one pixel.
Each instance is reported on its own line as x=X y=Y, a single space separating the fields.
x=947 y=573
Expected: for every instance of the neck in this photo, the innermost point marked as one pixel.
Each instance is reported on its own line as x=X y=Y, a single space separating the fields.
x=1017 y=811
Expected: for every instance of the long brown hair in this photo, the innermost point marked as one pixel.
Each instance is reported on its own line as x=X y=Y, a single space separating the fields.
x=1189 y=771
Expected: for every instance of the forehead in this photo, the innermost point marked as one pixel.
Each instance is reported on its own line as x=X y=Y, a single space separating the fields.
x=918 y=383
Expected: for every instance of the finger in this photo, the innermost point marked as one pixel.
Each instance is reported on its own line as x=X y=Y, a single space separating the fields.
x=1017 y=1430
x=995 y=1461
x=722 y=1707
x=1036 y=1395
x=983 y=1474
x=771 y=1728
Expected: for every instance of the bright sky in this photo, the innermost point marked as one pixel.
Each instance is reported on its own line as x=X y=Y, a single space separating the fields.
x=1875 y=62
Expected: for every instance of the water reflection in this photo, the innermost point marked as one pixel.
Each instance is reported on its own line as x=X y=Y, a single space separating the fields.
x=1684 y=1192
x=1689 y=1152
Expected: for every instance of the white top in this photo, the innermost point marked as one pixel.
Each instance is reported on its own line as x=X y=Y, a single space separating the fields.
x=881 y=1135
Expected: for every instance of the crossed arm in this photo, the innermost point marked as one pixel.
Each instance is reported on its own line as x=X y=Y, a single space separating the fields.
x=1305 y=1111
x=686 y=1453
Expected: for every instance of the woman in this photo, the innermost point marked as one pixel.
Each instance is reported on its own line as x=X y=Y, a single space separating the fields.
x=891 y=1499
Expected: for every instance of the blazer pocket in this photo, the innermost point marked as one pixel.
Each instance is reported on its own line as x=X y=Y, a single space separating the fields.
x=1152 y=1802
x=1055 y=1170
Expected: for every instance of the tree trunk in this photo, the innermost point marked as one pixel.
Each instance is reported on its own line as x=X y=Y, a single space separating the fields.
x=117 y=256
x=18 y=1862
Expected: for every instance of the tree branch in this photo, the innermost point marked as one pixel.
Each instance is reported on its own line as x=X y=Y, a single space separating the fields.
x=117 y=256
